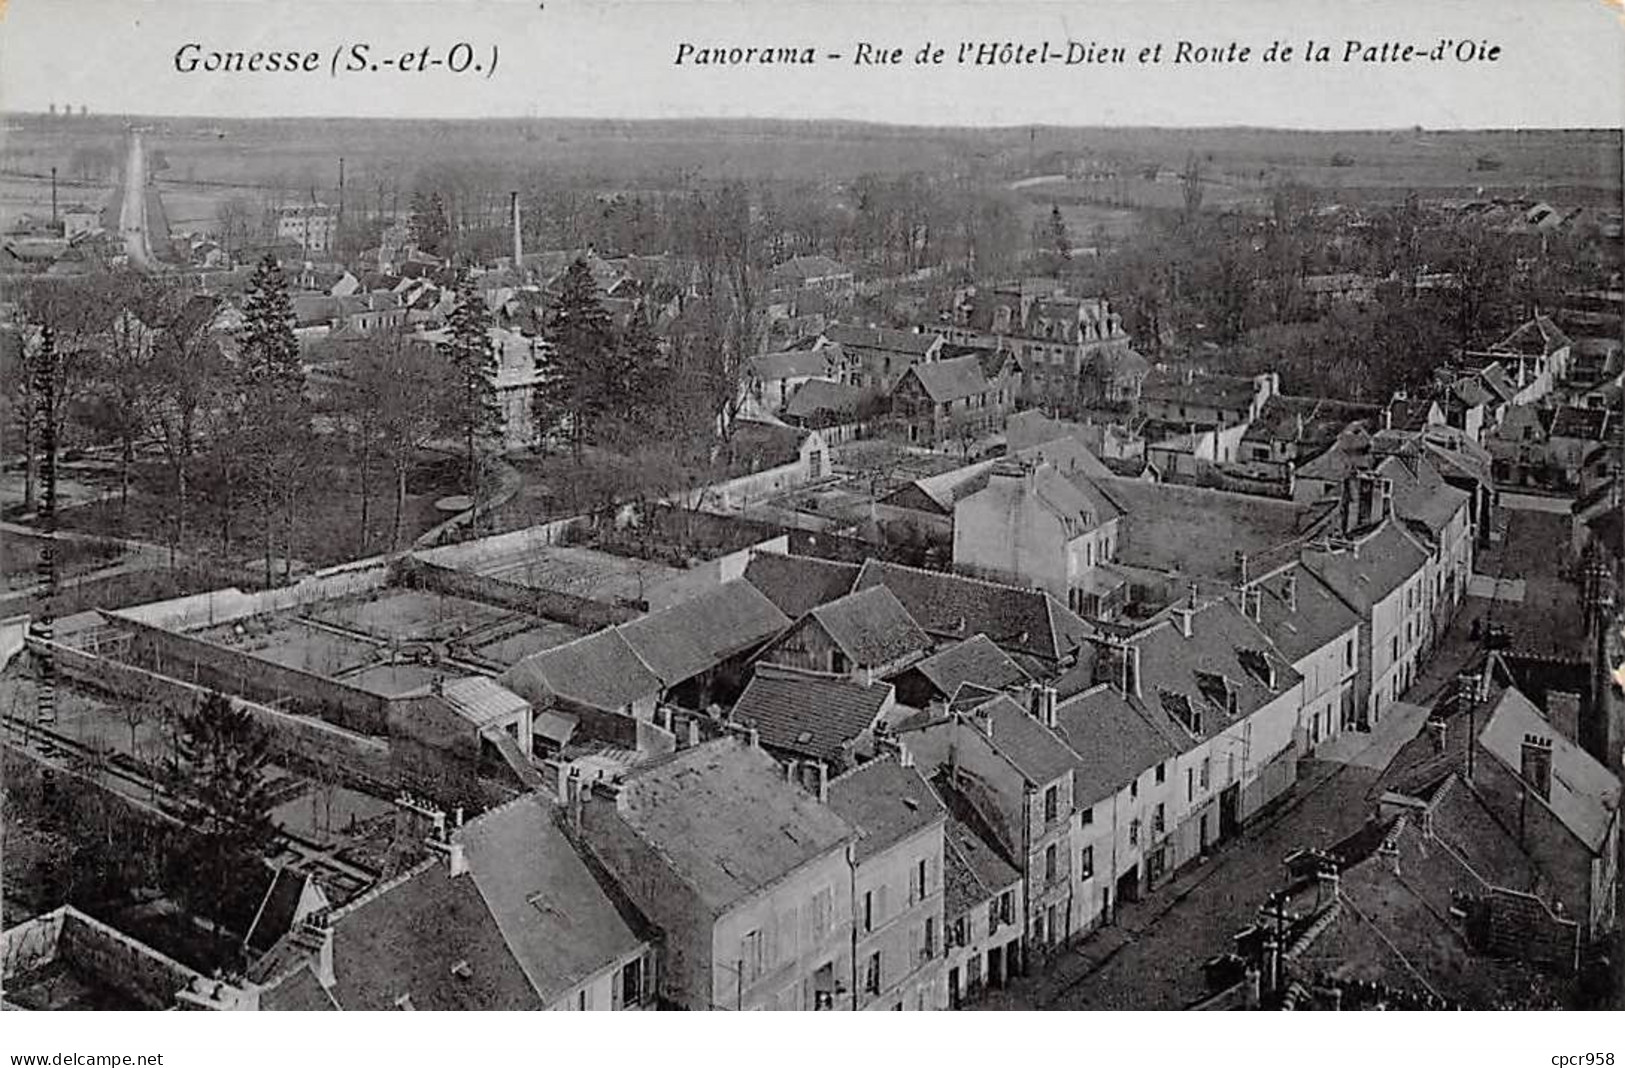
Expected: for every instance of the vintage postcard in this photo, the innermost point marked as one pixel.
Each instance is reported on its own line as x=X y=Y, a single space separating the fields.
x=587 y=505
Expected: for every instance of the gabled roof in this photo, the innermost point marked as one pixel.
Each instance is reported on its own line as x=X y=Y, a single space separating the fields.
x=722 y=818
x=907 y=342
x=946 y=381
x=1312 y=423
x=871 y=627
x=599 y=671
x=1224 y=392
x=973 y=868
x=975 y=660
x=1019 y=621
x=1373 y=568
x=798 y=584
x=1470 y=391
x=482 y=701
x=1538 y=337
x=809 y=363
x=811 y=715
x=1114 y=742
x=1584 y=795
x=700 y=632
x=1495 y=380
x=885 y=803
x=1226 y=655
x=819 y=395
x=402 y=941
x=1033 y=749
x=555 y=918
x=940 y=492
x=1314 y=616
x=1074 y=500
x=1588 y=424
x=1422 y=494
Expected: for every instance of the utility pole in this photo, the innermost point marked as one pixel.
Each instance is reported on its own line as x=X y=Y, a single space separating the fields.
x=338 y=229
x=45 y=374
x=53 y=195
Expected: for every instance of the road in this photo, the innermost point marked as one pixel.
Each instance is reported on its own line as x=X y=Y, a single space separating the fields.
x=133 y=213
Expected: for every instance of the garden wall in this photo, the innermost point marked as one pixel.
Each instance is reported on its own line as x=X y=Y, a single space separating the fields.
x=547 y=604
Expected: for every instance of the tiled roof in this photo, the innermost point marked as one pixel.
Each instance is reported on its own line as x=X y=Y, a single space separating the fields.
x=1032 y=748
x=1470 y=392
x=277 y=908
x=975 y=660
x=871 y=627
x=954 y=606
x=297 y=991
x=1410 y=413
x=1422 y=494
x=907 y=342
x=725 y=821
x=1379 y=564
x=1313 y=423
x=885 y=803
x=809 y=714
x=700 y=632
x=1584 y=795
x=974 y=870
x=945 y=381
x=598 y=671
x=1113 y=741
x=1225 y=392
x=1589 y=424
x=812 y=363
x=556 y=919
x=1068 y=456
x=1223 y=656
x=1317 y=615
x=798 y=584
x=940 y=492
x=817 y=395
x=402 y=942
x=1538 y=337
x=1074 y=500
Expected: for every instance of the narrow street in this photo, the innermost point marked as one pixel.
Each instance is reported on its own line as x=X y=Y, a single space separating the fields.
x=1151 y=958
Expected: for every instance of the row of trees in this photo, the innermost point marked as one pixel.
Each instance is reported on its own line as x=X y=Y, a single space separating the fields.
x=141 y=366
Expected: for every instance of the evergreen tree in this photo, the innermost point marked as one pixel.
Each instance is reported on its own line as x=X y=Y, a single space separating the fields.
x=218 y=774
x=578 y=376
x=429 y=223
x=473 y=409
x=274 y=424
x=1060 y=238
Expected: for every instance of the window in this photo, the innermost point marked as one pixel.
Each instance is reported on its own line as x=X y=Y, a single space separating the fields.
x=1049 y=863
x=837 y=662
x=1190 y=784
x=1207 y=772
x=868 y=911
x=1088 y=816
x=920 y=874
x=1348 y=654
x=820 y=913
x=1134 y=832
x=992 y=916
x=582 y=1002
x=1134 y=788
x=1158 y=817
x=1049 y=925
x=1162 y=774
x=929 y=950
x=956 y=933
x=750 y=957
x=1007 y=907
x=1395 y=650
x=1086 y=863
x=871 y=975
x=632 y=983
x=1052 y=802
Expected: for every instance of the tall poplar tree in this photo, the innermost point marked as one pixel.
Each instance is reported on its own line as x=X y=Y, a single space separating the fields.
x=274 y=424
x=580 y=351
x=473 y=409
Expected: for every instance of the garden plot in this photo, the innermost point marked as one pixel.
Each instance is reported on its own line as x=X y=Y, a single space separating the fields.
x=411 y=616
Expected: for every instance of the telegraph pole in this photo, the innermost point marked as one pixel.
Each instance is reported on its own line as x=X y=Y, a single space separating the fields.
x=42 y=630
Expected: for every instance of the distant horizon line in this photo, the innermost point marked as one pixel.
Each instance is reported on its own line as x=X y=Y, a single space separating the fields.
x=824 y=121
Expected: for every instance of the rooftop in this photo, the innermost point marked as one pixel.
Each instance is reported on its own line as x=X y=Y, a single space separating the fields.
x=1114 y=742
x=724 y=820
x=1371 y=568
x=700 y=632
x=1177 y=386
x=798 y=584
x=885 y=803
x=1019 y=621
x=946 y=381
x=975 y=660
x=907 y=342
x=1584 y=795
x=871 y=627
x=1198 y=532
x=556 y=919
x=600 y=671
x=1302 y=624
x=809 y=714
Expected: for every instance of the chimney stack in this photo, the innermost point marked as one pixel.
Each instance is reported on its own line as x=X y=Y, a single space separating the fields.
x=1185 y=616
x=1563 y=710
x=317 y=924
x=457 y=859
x=1289 y=592
x=823 y=782
x=1437 y=728
x=518 y=242
x=1326 y=881
x=1047 y=701
x=1131 y=686
x=1535 y=764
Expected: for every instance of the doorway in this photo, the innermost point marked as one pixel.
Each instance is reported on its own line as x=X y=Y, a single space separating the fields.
x=1229 y=811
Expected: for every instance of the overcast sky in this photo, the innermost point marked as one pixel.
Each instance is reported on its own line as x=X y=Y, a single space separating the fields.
x=1562 y=61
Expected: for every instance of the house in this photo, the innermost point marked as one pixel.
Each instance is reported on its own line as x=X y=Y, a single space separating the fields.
x=1120 y=783
x=877 y=357
x=951 y=400
x=927 y=504
x=313 y=227
x=818 y=725
x=771 y=379
x=597 y=675
x=982 y=909
x=1518 y=446
x=897 y=884
x=1319 y=634
x=1037 y=631
x=798 y=584
x=1290 y=431
x=511 y=917
x=1381 y=573
x=1032 y=526
x=698 y=646
x=834 y=409
x=814 y=272
x=1574 y=435
x=864 y=635
x=1412 y=413
x=1182 y=396
x=930 y=683
x=748 y=879
x=1108 y=440
x=1440 y=517
x=1535 y=356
